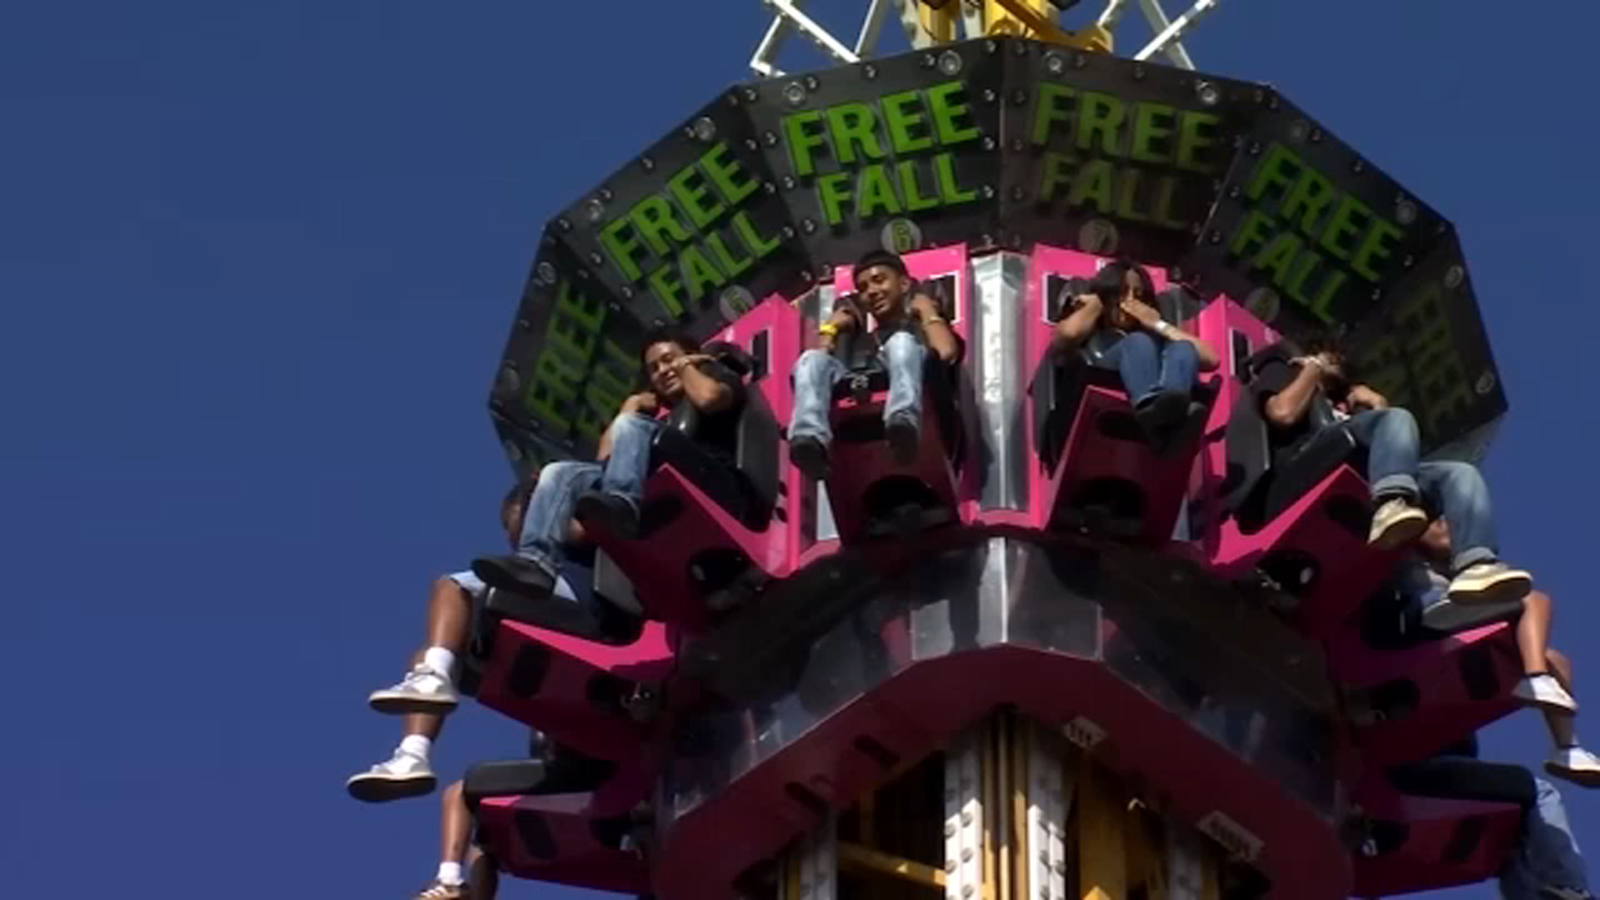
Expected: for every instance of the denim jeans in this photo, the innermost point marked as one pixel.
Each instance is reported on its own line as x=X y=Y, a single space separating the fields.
x=544 y=524
x=1149 y=366
x=1454 y=488
x=816 y=373
x=1548 y=854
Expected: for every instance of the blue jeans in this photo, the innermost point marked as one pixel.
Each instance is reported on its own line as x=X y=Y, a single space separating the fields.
x=1149 y=366
x=816 y=372
x=544 y=524
x=1454 y=488
x=1548 y=854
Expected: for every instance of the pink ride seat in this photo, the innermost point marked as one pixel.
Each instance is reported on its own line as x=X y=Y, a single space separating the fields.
x=1440 y=823
x=595 y=698
x=1419 y=699
x=1103 y=474
x=559 y=838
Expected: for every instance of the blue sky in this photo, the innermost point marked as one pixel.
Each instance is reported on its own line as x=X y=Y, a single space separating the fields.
x=256 y=265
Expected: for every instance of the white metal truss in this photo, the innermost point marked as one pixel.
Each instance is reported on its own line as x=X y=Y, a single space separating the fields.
x=1049 y=800
x=788 y=17
x=963 y=819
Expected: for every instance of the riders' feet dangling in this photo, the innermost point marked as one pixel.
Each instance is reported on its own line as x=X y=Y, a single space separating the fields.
x=810 y=456
x=1576 y=765
x=439 y=890
x=1544 y=691
x=905 y=439
x=517 y=574
x=422 y=691
x=400 y=776
x=1490 y=582
x=613 y=512
x=1396 y=523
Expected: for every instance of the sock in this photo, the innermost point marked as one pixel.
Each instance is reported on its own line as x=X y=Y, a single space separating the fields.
x=440 y=660
x=450 y=873
x=415 y=745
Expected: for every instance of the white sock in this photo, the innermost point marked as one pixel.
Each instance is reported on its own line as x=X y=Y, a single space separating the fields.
x=415 y=745
x=440 y=660
x=450 y=873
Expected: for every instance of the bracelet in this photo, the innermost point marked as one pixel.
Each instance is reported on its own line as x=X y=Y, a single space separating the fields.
x=933 y=320
x=1162 y=328
x=828 y=329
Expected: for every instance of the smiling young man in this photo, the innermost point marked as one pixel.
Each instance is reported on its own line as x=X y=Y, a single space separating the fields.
x=908 y=327
x=688 y=390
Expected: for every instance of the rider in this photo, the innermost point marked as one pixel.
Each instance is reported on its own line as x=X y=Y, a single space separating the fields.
x=1547 y=679
x=1115 y=325
x=688 y=390
x=428 y=692
x=465 y=871
x=1304 y=396
x=909 y=325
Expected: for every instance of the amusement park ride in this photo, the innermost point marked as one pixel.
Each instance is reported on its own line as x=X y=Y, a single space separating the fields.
x=1044 y=659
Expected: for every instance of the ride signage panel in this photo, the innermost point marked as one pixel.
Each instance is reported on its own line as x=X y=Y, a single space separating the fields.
x=1307 y=232
x=898 y=152
x=691 y=231
x=1112 y=156
x=998 y=143
x=572 y=358
x=1426 y=350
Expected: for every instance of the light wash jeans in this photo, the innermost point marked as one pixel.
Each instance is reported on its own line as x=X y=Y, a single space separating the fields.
x=1149 y=366
x=1548 y=855
x=544 y=525
x=816 y=373
x=1457 y=488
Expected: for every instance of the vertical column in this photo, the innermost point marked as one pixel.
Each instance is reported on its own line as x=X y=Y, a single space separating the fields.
x=811 y=868
x=1049 y=798
x=963 y=820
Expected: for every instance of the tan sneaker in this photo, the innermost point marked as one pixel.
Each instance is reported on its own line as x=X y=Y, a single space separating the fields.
x=438 y=890
x=1396 y=523
x=1490 y=582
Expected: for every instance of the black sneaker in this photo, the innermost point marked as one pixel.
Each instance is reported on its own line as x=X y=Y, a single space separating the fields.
x=613 y=512
x=516 y=574
x=1159 y=413
x=905 y=439
x=810 y=456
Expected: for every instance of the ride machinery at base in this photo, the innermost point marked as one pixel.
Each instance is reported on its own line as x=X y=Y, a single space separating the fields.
x=1047 y=657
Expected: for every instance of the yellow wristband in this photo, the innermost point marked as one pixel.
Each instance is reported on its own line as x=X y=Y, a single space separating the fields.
x=829 y=329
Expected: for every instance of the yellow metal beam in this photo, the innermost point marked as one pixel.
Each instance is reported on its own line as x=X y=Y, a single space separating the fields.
x=854 y=857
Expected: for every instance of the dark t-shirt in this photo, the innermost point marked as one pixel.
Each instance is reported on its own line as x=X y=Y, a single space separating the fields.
x=1274 y=372
x=717 y=432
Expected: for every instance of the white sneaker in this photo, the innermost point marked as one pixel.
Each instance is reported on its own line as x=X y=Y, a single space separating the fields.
x=422 y=691
x=401 y=775
x=1576 y=765
x=1545 y=692
x=1395 y=523
x=1490 y=582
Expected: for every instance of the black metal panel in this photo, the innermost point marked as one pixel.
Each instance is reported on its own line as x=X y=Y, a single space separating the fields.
x=572 y=358
x=1426 y=350
x=692 y=231
x=1307 y=233
x=898 y=152
x=1112 y=156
